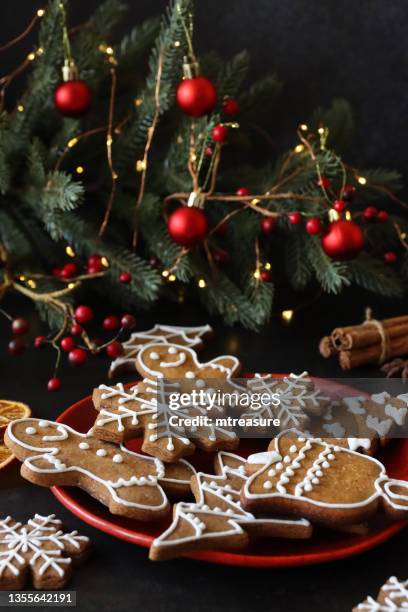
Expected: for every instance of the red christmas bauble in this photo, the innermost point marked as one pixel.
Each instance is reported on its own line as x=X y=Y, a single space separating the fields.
x=187 y=226
x=343 y=240
x=196 y=97
x=230 y=107
x=72 y=98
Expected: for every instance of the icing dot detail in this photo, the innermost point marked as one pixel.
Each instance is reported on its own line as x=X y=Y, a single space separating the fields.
x=308 y=487
x=279 y=466
x=154 y=355
x=271 y=473
x=267 y=484
x=200 y=383
x=31 y=431
x=189 y=374
x=83 y=445
x=101 y=452
x=293 y=448
x=117 y=458
x=172 y=350
x=286 y=459
x=43 y=424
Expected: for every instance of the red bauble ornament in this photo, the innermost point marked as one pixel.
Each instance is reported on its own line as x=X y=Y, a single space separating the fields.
x=67 y=344
x=72 y=98
x=242 y=191
x=370 y=213
x=313 y=226
x=324 y=182
x=187 y=226
x=390 y=257
x=114 y=349
x=339 y=205
x=39 y=341
x=128 y=321
x=16 y=347
x=219 y=133
x=265 y=276
x=111 y=323
x=19 y=326
x=83 y=314
x=230 y=107
x=268 y=224
x=343 y=240
x=76 y=330
x=77 y=356
x=196 y=97
x=54 y=384
x=125 y=277
x=295 y=218
x=383 y=215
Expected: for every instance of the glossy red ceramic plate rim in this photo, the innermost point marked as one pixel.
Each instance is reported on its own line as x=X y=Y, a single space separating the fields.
x=350 y=548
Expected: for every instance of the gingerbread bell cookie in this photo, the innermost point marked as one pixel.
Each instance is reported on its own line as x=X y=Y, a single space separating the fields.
x=323 y=482
x=129 y=484
x=393 y=597
x=147 y=408
x=193 y=337
x=40 y=549
x=217 y=520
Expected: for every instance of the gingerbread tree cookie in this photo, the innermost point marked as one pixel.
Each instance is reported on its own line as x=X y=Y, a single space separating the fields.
x=39 y=549
x=129 y=484
x=322 y=482
x=192 y=337
x=217 y=520
x=172 y=369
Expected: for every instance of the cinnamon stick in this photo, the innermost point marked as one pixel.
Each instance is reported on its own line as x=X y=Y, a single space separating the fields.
x=371 y=354
x=365 y=335
x=326 y=347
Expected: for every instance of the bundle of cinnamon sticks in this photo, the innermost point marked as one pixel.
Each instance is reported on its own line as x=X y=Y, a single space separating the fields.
x=371 y=342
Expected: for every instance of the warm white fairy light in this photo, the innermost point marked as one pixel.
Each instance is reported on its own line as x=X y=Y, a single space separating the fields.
x=31 y=57
x=172 y=278
x=165 y=273
x=40 y=13
x=287 y=315
x=362 y=180
x=347 y=214
x=299 y=148
x=105 y=262
x=255 y=201
x=70 y=251
x=79 y=169
x=31 y=283
x=304 y=127
x=201 y=283
x=268 y=266
x=257 y=274
x=71 y=143
x=71 y=285
x=20 y=108
x=141 y=165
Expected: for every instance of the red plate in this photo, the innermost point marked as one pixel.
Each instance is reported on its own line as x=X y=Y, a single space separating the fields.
x=324 y=546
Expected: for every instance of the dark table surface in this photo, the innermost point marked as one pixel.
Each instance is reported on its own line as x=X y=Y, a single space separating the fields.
x=119 y=576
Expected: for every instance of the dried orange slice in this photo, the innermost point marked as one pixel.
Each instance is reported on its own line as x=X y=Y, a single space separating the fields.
x=6 y=456
x=11 y=411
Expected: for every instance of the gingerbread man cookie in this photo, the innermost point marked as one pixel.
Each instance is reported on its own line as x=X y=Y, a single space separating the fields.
x=217 y=520
x=125 y=413
x=393 y=597
x=129 y=484
x=192 y=337
x=40 y=549
x=323 y=482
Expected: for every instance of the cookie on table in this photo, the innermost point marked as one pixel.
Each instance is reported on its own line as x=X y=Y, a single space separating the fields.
x=193 y=337
x=146 y=408
x=325 y=483
x=216 y=520
x=393 y=597
x=129 y=484
x=40 y=550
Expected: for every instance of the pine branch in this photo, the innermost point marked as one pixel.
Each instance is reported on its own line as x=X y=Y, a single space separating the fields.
x=331 y=275
x=375 y=276
x=339 y=118
x=298 y=269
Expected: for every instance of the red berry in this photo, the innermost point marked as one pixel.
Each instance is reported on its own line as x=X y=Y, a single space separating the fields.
x=339 y=205
x=19 y=326
x=125 y=277
x=67 y=344
x=383 y=215
x=208 y=151
x=76 y=330
x=348 y=192
x=111 y=323
x=77 y=356
x=94 y=269
x=219 y=133
x=128 y=321
x=230 y=107
x=69 y=270
x=370 y=213
x=242 y=191
x=324 y=182
x=114 y=349
x=16 y=347
x=54 y=384
x=266 y=276
x=295 y=218
x=39 y=341
x=83 y=314
x=314 y=226
x=94 y=260
x=390 y=257
x=268 y=224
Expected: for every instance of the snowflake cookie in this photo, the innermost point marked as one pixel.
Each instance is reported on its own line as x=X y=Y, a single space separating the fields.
x=323 y=482
x=393 y=597
x=217 y=520
x=39 y=548
x=192 y=337
x=129 y=484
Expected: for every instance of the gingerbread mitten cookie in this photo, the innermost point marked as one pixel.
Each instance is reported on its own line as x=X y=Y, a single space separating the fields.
x=40 y=549
x=128 y=483
x=217 y=520
x=192 y=337
x=322 y=482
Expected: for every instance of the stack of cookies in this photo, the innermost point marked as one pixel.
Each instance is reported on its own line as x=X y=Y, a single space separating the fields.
x=301 y=479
